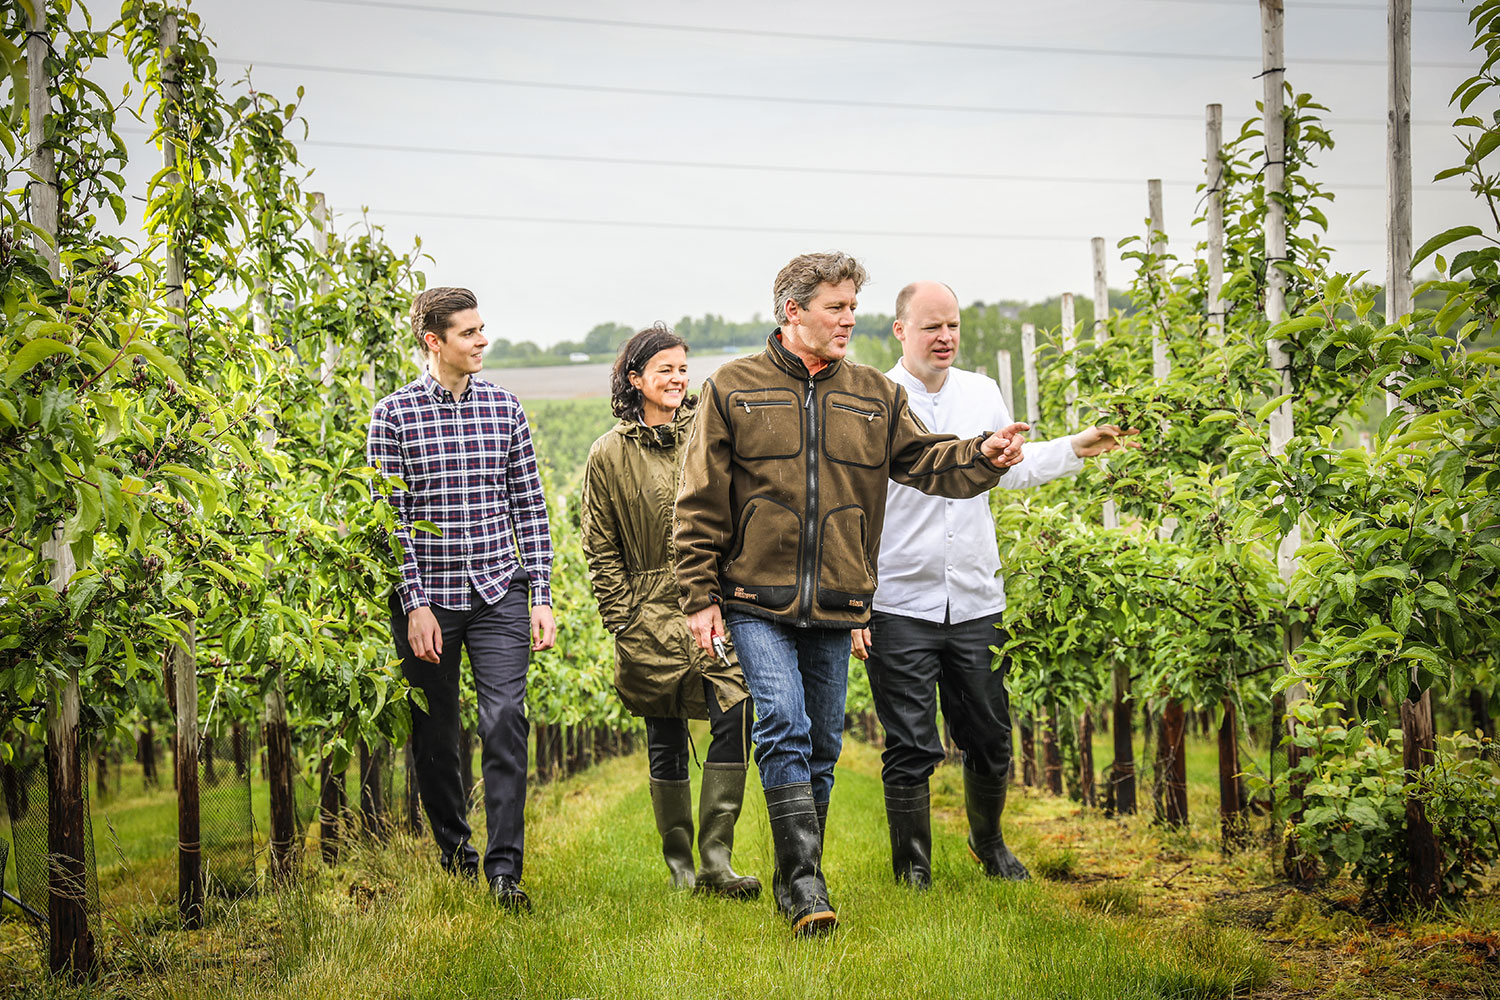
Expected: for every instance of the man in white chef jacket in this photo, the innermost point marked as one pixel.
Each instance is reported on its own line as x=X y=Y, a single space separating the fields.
x=941 y=598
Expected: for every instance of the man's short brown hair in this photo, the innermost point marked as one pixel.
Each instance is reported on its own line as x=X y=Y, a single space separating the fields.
x=800 y=279
x=432 y=310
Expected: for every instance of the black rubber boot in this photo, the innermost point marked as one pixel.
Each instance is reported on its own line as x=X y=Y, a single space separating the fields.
x=719 y=802
x=908 y=815
x=797 y=882
x=984 y=798
x=672 y=801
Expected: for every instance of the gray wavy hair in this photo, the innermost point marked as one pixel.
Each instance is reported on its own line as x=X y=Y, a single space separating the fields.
x=800 y=279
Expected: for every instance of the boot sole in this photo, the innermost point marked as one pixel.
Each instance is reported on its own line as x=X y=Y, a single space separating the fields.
x=998 y=875
x=816 y=924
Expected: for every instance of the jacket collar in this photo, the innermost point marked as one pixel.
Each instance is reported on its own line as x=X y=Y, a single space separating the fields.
x=662 y=435
x=788 y=362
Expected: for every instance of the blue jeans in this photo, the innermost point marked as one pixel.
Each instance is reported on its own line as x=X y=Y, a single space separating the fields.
x=798 y=678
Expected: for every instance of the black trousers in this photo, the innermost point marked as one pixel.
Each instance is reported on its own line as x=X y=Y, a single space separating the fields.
x=729 y=731
x=498 y=637
x=914 y=665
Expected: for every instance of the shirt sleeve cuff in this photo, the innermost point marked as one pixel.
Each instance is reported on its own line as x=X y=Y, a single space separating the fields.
x=541 y=592
x=412 y=598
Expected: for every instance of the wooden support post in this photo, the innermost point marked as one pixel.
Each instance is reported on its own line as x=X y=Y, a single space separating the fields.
x=1214 y=187
x=1052 y=771
x=1070 y=367
x=1398 y=285
x=1172 y=763
x=1122 y=773
x=372 y=789
x=1086 y=757
x=1101 y=337
x=1424 y=865
x=1006 y=382
x=1028 y=365
x=1231 y=805
x=1161 y=365
x=1028 y=751
x=320 y=245
x=330 y=809
x=70 y=943
x=413 y=789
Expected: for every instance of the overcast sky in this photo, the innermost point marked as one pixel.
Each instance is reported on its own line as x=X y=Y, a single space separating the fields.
x=788 y=101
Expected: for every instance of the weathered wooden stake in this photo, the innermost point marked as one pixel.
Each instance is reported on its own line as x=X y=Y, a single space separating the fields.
x=1231 y=805
x=1028 y=367
x=1086 y=757
x=1006 y=382
x=1172 y=761
x=1214 y=180
x=1070 y=367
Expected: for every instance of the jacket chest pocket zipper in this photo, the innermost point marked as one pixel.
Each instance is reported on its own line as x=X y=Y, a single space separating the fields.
x=868 y=415
x=748 y=405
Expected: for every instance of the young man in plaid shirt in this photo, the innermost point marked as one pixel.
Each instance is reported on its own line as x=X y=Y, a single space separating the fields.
x=463 y=448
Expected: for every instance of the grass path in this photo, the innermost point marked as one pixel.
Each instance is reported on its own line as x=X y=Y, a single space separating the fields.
x=1127 y=912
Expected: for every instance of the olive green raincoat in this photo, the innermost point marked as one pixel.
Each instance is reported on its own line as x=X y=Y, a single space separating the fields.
x=629 y=490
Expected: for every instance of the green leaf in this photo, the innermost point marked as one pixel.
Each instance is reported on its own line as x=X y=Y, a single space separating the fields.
x=1270 y=406
x=1443 y=239
x=33 y=354
x=154 y=354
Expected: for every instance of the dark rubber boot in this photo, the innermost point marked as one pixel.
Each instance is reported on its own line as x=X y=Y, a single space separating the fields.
x=672 y=801
x=984 y=798
x=907 y=814
x=797 y=882
x=719 y=802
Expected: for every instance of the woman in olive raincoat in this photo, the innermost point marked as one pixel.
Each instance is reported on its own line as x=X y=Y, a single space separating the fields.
x=630 y=488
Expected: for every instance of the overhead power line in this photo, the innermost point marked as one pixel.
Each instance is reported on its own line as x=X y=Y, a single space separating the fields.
x=784 y=36
x=631 y=161
x=729 y=228
x=773 y=168
x=759 y=98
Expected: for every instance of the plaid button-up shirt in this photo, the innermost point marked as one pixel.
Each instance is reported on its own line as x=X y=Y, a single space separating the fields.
x=469 y=468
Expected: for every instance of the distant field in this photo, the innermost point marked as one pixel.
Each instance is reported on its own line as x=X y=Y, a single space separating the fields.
x=583 y=381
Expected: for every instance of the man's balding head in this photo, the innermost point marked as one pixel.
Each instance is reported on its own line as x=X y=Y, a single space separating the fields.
x=927 y=326
x=924 y=289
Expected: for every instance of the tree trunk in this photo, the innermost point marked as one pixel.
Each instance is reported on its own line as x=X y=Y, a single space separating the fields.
x=413 y=792
x=1479 y=704
x=145 y=752
x=1052 y=754
x=239 y=750
x=281 y=784
x=372 y=789
x=1122 y=774
x=70 y=943
x=1231 y=805
x=1086 y=757
x=1172 y=762
x=210 y=767
x=330 y=810
x=1028 y=752
x=185 y=760
x=1423 y=860
x=101 y=770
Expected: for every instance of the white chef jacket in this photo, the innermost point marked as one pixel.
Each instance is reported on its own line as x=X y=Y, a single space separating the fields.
x=939 y=557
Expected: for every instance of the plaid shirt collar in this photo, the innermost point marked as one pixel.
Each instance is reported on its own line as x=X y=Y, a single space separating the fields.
x=434 y=389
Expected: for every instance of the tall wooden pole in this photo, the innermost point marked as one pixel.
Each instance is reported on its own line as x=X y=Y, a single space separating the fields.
x=1006 y=382
x=182 y=655
x=70 y=944
x=1070 y=367
x=280 y=768
x=1122 y=771
x=1028 y=364
x=1171 y=759
x=1214 y=187
x=1424 y=865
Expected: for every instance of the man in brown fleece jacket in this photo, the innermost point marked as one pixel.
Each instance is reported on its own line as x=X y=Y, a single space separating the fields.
x=778 y=529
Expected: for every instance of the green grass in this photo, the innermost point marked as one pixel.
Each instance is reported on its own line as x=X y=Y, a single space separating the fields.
x=385 y=924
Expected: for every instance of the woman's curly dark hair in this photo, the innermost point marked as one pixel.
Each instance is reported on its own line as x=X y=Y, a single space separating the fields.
x=625 y=399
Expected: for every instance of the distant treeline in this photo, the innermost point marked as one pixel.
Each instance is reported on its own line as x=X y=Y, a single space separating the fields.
x=987 y=328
